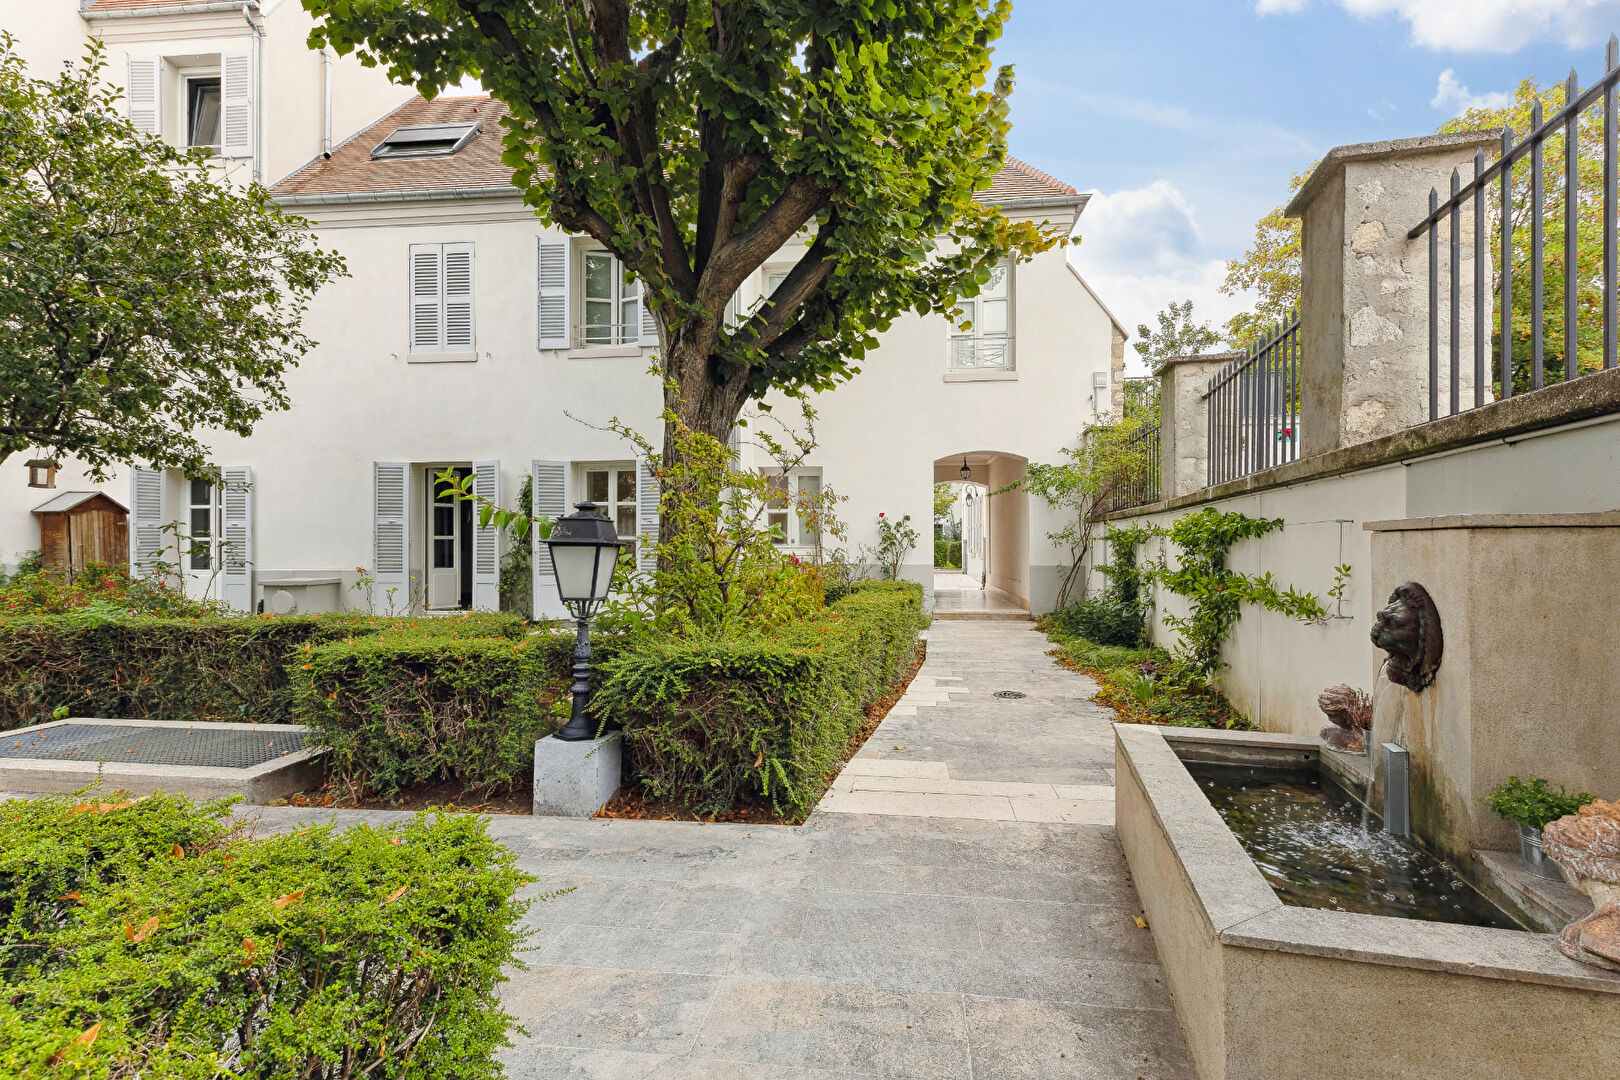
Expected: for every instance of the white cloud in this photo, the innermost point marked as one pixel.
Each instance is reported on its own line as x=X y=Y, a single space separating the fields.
x=1142 y=248
x=1452 y=96
x=1482 y=25
x=1257 y=136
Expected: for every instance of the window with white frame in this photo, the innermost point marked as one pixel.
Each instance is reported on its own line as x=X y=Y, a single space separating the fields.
x=202 y=101
x=789 y=510
x=986 y=343
x=441 y=299
x=613 y=489
x=612 y=302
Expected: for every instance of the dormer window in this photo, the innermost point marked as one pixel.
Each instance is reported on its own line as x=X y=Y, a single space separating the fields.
x=425 y=140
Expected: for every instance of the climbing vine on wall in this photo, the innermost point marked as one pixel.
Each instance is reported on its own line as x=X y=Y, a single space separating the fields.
x=1214 y=592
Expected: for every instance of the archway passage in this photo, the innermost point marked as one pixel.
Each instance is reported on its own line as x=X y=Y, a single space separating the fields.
x=982 y=557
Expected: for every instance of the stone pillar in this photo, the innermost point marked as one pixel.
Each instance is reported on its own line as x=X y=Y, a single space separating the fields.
x=1365 y=292
x=1184 y=421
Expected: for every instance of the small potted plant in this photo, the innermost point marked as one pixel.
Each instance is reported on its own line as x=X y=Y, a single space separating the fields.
x=1531 y=805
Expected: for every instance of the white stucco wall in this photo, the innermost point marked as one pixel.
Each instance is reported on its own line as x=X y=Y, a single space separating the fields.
x=1276 y=666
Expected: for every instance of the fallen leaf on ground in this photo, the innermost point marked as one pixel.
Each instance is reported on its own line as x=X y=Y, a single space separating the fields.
x=1141 y=923
x=136 y=935
x=396 y=894
x=284 y=901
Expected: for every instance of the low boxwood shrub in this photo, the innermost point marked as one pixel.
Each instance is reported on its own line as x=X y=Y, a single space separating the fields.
x=53 y=850
x=1109 y=619
x=403 y=709
x=714 y=724
x=316 y=954
x=90 y=663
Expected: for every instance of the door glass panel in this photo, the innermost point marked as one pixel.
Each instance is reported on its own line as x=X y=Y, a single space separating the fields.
x=444 y=520
x=627 y=485
x=809 y=490
x=202 y=493
x=993 y=319
x=626 y=522
x=778 y=522
x=444 y=554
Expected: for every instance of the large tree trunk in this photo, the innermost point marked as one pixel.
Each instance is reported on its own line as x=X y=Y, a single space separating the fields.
x=703 y=393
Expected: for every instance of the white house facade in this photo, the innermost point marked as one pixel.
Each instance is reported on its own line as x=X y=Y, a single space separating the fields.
x=469 y=336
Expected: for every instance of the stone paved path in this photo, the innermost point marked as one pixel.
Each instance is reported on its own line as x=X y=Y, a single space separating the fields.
x=958 y=909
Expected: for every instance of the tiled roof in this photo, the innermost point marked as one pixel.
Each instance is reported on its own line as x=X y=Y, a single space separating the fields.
x=477 y=166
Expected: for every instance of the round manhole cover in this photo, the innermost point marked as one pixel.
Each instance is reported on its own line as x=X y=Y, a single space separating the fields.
x=1010 y=695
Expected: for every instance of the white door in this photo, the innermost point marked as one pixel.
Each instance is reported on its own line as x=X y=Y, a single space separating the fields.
x=973 y=534
x=444 y=547
x=199 y=546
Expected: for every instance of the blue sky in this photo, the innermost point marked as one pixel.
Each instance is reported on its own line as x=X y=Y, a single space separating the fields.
x=1188 y=118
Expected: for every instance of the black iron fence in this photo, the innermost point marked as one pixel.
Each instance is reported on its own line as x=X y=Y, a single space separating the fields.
x=1138 y=481
x=1526 y=355
x=1253 y=408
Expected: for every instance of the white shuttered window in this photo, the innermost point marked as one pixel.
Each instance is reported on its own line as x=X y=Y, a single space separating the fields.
x=441 y=298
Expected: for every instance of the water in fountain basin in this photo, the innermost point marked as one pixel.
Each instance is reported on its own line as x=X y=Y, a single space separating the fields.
x=1318 y=848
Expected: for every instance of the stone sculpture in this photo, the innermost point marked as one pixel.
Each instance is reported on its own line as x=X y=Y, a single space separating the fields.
x=1350 y=712
x=1408 y=629
x=1586 y=847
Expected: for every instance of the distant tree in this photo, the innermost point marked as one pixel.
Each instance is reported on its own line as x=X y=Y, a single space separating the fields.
x=1588 y=236
x=944 y=503
x=1178 y=334
x=141 y=299
x=1271 y=270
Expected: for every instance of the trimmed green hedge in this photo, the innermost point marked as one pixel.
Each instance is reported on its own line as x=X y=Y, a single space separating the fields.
x=711 y=725
x=309 y=956
x=143 y=667
x=399 y=710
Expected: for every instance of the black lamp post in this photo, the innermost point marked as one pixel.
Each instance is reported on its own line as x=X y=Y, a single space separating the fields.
x=584 y=550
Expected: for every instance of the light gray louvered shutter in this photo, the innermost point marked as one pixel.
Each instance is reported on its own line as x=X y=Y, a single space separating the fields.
x=552 y=305
x=550 y=496
x=236 y=105
x=147 y=501
x=486 y=545
x=646 y=516
x=426 y=297
x=236 y=528
x=391 y=538
x=458 y=296
x=649 y=321
x=142 y=95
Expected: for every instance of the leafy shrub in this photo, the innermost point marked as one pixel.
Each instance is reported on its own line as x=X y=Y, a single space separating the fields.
x=236 y=668
x=1534 y=803
x=711 y=724
x=1106 y=620
x=400 y=709
x=310 y=955
x=105 y=588
x=53 y=850
x=1144 y=685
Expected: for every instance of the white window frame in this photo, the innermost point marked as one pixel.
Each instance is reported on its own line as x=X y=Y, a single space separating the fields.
x=186 y=77
x=191 y=550
x=970 y=353
x=441 y=352
x=614 y=504
x=793 y=534
x=624 y=335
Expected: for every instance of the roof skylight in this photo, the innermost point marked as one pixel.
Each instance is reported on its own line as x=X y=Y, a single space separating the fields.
x=425 y=140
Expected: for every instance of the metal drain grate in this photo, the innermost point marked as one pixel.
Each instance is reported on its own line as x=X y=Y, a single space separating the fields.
x=224 y=748
x=1009 y=695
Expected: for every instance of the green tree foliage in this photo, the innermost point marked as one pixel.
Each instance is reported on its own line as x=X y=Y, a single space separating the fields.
x=1588 y=236
x=694 y=139
x=1178 y=334
x=944 y=503
x=141 y=298
x=1271 y=269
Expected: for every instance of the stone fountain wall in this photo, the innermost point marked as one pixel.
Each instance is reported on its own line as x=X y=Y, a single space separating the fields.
x=1529 y=684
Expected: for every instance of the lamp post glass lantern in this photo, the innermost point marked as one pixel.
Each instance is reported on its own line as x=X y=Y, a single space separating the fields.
x=584 y=550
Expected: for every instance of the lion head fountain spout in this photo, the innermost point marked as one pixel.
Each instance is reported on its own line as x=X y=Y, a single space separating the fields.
x=1586 y=846
x=1408 y=630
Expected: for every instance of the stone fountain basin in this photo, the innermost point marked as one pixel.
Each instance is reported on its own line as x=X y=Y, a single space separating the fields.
x=1270 y=992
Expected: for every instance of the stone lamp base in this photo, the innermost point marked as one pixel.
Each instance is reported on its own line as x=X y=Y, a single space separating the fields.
x=576 y=779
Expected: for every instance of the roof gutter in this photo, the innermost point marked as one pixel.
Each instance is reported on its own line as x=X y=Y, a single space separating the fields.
x=418 y=195
x=1040 y=202
x=209 y=6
